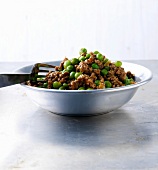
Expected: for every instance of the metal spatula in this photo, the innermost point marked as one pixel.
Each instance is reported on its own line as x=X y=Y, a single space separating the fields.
x=38 y=70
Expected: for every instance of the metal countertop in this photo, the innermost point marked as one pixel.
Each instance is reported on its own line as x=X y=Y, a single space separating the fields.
x=32 y=138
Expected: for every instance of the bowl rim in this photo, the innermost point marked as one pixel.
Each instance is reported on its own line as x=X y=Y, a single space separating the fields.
x=140 y=83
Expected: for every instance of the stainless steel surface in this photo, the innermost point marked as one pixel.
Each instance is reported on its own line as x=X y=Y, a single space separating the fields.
x=89 y=102
x=32 y=138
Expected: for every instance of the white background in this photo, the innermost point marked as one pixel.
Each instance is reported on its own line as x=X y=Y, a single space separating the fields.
x=43 y=30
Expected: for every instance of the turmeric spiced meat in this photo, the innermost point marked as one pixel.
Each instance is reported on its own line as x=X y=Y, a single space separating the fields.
x=89 y=71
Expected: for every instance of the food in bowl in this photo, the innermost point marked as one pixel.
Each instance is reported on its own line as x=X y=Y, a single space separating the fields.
x=87 y=72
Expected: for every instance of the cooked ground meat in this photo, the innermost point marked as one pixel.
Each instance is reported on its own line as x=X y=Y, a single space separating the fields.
x=130 y=75
x=84 y=68
x=90 y=71
x=61 y=66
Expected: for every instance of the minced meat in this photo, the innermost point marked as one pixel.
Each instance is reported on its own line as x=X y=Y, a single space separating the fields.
x=89 y=71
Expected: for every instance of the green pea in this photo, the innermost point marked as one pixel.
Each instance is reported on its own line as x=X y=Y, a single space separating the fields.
x=118 y=63
x=65 y=70
x=89 y=88
x=45 y=85
x=81 y=88
x=77 y=74
x=105 y=60
x=97 y=82
x=82 y=51
x=72 y=75
x=41 y=79
x=65 y=85
x=104 y=71
x=56 y=85
x=82 y=58
x=87 y=56
x=96 y=52
x=108 y=84
x=95 y=66
x=100 y=57
x=62 y=88
x=67 y=63
x=128 y=81
x=69 y=68
x=74 y=61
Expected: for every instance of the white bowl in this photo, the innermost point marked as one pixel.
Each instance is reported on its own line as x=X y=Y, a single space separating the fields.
x=87 y=102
